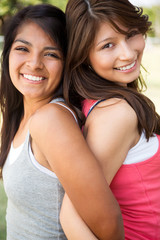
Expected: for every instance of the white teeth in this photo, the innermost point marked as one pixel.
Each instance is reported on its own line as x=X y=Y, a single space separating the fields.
x=127 y=67
x=33 y=78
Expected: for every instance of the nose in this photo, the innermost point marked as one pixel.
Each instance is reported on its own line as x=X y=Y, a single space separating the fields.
x=126 y=52
x=35 y=62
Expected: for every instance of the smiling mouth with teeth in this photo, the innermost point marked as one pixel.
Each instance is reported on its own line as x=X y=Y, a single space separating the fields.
x=126 y=67
x=33 y=78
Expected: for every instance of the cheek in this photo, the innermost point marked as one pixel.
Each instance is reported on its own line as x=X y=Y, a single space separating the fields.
x=92 y=59
x=56 y=70
x=141 y=49
x=11 y=66
x=100 y=61
x=14 y=62
x=140 y=44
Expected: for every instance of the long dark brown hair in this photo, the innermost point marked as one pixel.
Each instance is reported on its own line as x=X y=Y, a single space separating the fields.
x=52 y=21
x=81 y=82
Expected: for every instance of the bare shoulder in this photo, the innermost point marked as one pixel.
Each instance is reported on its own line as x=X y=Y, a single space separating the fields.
x=111 y=130
x=112 y=119
x=113 y=110
x=115 y=105
x=51 y=117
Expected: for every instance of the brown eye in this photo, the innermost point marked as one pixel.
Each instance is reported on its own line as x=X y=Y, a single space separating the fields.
x=53 y=55
x=108 y=45
x=23 y=49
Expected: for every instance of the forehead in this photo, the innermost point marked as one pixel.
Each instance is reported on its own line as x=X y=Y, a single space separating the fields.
x=108 y=30
x=31 y=31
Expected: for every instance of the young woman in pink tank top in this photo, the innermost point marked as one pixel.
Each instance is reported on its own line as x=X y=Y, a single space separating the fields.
x=103 y=72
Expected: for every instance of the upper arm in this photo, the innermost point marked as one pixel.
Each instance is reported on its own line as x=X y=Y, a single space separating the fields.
x=111 y=131
x=57 y=135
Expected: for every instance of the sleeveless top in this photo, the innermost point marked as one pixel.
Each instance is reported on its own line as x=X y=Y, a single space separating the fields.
x=34 y=198
x=136 y=187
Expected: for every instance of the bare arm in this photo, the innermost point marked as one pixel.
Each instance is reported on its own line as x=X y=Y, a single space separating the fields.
x=73 y=225
x=111 y=130
x=120 y=133
x=59 y=139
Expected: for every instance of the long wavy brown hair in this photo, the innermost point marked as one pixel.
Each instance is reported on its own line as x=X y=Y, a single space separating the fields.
x=52 y=21
x=81 y=82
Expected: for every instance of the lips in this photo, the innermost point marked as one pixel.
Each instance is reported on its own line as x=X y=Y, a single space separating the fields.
x=128 y=67
x=33 y=78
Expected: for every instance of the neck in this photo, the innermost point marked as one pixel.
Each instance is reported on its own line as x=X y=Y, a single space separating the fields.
x=30 y=107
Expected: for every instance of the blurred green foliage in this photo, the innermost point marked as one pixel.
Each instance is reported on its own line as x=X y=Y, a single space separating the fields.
x=9 y=7
x=154 y=17
x=3 y=203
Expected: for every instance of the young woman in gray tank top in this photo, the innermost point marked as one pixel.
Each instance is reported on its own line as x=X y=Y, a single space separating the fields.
x=43 y=152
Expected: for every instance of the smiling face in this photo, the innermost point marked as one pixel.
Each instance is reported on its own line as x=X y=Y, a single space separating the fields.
x=35 y=63
x=117 y=57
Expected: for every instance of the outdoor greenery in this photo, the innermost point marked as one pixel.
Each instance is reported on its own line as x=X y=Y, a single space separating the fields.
x=3 y=201
x=10 y=7
x=154 y=17
x=150 y=61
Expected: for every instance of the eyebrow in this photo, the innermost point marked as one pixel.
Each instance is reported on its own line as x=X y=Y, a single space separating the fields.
x=52 y=48
x=29 y=44
x=23 y=41
x=104 y=40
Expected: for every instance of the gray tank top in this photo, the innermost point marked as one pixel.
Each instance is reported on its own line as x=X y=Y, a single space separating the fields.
x=34 y=200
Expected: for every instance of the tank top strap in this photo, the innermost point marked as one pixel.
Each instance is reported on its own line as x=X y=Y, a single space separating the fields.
x=61 y=101
x=88 y=105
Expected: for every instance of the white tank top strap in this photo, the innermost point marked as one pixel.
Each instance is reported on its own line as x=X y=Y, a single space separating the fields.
x=59 y=99
x=15 y=152
x=60 y=102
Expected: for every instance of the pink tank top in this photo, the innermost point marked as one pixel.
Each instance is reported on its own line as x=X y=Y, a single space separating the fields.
x=137 y=190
